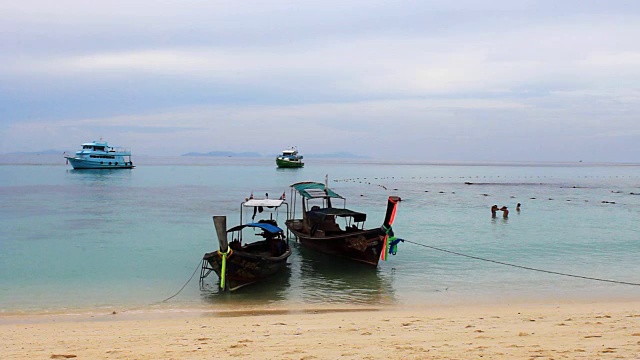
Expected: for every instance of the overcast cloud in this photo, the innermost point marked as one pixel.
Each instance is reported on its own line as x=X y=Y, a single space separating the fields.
x=418 y=80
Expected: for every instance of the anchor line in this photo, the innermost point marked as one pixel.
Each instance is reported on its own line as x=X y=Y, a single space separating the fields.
x=185 y=284
x=523 y=267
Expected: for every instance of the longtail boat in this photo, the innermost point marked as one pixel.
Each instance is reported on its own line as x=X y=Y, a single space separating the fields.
x=241 y=263
x=318 y=229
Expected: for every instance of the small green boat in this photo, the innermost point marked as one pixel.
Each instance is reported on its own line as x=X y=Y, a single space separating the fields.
x=290 y=159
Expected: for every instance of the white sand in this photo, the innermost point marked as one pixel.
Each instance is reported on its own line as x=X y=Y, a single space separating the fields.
x=601 y=330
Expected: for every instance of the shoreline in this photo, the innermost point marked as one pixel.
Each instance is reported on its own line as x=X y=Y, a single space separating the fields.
x=571 y=329
x=457 y=301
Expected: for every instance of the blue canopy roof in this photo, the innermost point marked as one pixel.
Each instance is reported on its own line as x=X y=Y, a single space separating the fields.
x=264 y=226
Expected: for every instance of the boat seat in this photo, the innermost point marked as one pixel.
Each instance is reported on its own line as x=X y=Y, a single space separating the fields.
x=329 y=224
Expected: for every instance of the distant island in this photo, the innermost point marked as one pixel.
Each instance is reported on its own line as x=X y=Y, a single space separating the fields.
x=224 y=154
x=336 y=155
x=43 y=152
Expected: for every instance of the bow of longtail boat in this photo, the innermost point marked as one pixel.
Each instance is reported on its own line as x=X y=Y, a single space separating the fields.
x=238 y=265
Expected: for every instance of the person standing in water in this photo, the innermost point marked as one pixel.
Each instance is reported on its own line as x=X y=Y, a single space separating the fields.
x=505 y=212
x=518 y=207
x=494 y=210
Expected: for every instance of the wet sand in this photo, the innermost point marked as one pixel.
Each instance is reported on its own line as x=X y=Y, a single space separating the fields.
x=602 y=330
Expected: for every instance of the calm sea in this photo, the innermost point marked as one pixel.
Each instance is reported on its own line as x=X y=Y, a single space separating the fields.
x=73 y=240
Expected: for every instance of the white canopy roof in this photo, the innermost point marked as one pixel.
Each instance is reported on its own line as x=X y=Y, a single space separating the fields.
x=263 y=202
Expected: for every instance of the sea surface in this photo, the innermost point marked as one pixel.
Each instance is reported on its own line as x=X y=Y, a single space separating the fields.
x=73 y=240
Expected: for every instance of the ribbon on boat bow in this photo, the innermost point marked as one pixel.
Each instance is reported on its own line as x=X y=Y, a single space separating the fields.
x=223 y=267
x=390 y=243
x=393 y=246
x=389 y=239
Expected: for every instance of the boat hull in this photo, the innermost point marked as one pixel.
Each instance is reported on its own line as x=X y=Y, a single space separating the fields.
x=92 y=164
x=289 y=164
x=249 y=265
x=364 y=246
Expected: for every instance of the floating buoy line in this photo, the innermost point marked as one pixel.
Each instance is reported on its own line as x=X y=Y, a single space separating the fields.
x=368 y=181
x=522 y=267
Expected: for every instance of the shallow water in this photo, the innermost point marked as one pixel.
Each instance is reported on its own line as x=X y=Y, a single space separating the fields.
x=124 y=238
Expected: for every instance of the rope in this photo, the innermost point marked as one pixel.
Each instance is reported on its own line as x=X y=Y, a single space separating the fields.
x=524 y=267
x=183 y=286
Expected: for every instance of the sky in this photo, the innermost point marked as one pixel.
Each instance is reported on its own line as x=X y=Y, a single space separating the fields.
x=430 y=80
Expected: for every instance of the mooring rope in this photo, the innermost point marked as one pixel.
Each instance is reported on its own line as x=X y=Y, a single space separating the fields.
x=523 y=267
x=185 y=284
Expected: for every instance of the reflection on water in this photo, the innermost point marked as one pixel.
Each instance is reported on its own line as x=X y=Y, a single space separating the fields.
x=310 y=278
x=273 y=290
x=289 y=169
x=98 y=176
x=327 y=279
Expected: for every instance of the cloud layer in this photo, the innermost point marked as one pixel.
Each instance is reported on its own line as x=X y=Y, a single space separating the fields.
x=532 y=81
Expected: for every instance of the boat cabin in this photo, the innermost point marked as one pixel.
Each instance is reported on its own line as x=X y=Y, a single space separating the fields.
x=319 y=217
x=324 y=221
x=272 y=242
x=93 y=147
x=291 y=154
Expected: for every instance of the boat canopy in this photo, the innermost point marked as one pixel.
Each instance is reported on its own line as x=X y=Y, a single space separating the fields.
x=263 y=203
x=264 y=226
x=321 y=214
x=314 y=190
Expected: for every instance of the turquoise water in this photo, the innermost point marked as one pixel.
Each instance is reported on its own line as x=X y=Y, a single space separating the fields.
x=124 y=238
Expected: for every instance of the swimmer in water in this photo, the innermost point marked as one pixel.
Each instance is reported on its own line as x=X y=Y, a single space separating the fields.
x=494 y=210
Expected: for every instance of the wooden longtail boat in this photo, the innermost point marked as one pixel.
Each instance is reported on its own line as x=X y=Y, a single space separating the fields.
x=317 y=229
x=238 y=264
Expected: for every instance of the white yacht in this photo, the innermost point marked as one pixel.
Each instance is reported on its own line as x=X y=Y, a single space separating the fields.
x=99 y=155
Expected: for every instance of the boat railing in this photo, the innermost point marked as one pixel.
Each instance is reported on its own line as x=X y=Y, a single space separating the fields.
x=121 y=150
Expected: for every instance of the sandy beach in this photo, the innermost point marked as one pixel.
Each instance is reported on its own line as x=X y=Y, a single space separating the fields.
x=603 y=330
